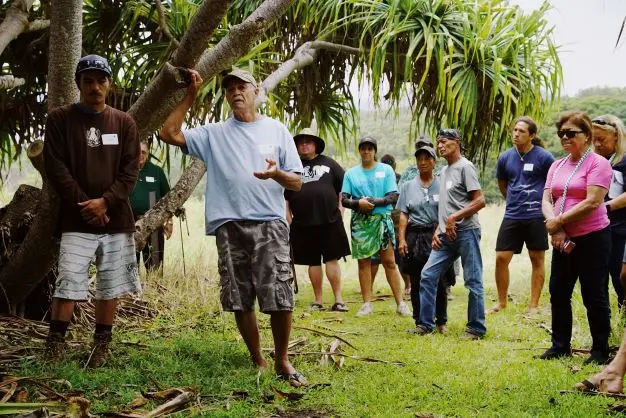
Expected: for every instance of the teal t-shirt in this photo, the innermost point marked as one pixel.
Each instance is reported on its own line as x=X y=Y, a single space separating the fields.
x=375 y=182
x=151 y=178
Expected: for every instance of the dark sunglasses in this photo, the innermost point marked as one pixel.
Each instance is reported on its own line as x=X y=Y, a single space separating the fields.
x=569 y=133
x=602 y=122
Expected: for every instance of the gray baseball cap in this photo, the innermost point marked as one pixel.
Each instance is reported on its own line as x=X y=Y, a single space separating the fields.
x=426 y=148
x=368 y=140
x=239 y=74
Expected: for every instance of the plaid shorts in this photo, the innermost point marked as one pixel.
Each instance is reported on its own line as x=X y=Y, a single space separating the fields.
x=254 y=262
x=115 y=262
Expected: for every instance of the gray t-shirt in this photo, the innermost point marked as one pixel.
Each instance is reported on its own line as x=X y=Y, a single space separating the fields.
x=232 y=151
x=419 y=202
x=457 y=181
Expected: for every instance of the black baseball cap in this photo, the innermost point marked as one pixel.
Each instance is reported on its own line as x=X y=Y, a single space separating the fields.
x=93 y=62
x=368 y=140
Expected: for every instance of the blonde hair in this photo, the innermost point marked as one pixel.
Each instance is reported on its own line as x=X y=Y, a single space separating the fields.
x=614 y=124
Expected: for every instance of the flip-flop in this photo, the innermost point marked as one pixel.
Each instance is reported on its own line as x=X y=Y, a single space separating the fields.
x=586 y=386
x=295 y=379
x=314 y=306
x=339 y=307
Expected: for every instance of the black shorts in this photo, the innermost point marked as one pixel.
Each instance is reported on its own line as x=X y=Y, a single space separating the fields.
x=514 y=233
x=313 y=244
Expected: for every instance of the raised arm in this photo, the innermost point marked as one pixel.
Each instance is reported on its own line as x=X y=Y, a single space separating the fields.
x=171 y=132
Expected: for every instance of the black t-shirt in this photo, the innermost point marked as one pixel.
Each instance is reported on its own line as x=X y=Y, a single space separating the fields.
x=618 y=216
x=317 y=202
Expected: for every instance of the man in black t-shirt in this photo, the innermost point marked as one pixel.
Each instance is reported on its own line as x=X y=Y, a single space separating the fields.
x=314 y=213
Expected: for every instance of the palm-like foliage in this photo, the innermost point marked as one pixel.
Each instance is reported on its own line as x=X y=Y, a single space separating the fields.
x=463 y=63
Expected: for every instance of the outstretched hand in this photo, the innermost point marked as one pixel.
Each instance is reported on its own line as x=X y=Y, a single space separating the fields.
x=270 y=172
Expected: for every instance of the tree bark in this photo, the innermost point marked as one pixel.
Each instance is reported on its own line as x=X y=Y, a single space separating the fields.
x=15 y=22
x=40 y=249
x=9 y=82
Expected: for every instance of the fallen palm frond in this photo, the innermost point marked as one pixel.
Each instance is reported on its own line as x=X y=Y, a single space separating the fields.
x=338 y=331
x=325 y=335
x=360 y=358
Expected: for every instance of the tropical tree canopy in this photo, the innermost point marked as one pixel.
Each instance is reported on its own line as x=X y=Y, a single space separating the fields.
x=474 y=65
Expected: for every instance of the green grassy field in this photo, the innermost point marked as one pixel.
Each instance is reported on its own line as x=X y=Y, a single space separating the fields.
x=193 y=344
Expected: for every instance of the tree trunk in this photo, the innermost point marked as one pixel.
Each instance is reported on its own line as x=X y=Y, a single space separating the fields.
x=40 y=248
x=15 y=22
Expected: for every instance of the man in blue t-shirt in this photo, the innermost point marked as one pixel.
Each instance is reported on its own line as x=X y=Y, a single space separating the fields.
x=251 y=160
x=521 y=173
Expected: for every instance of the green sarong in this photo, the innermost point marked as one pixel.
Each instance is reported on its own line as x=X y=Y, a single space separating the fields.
x=370 y=234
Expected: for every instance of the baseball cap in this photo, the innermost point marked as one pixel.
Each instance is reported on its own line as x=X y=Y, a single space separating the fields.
x=368 y=140
x=241 y=75
x=450 y=133
x=308 y=132
x=423 y=140
x=426 y=148
x=93 y=62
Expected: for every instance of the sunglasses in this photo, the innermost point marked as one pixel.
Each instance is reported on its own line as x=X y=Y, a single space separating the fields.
x=602 y=122
x=569 y=133
x=449 y=133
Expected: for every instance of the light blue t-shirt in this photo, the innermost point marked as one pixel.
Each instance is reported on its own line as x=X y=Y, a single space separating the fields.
x=375 y=182
x=232 y=151
x=420 y=203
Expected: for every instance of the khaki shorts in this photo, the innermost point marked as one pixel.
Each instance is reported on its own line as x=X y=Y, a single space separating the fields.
x=115 y=261
x=254 y=262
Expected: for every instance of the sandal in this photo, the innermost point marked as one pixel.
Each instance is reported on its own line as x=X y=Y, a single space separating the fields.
x=295 y=379
x=586 y=387
x=339 y=307
x=314 y=306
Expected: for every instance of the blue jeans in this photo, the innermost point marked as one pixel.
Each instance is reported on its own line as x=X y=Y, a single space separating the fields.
x=466 y=245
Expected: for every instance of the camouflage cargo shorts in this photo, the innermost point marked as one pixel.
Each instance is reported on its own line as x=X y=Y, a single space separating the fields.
x=254 y=262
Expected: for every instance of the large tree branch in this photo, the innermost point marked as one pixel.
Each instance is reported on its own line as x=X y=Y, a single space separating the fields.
x=304 y=55
x=163 y=23
x=163 y=87
x=9 y=82
x=15 y=22
x=37 y=25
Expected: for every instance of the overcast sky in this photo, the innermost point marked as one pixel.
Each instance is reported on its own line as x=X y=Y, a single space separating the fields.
x=587 y=31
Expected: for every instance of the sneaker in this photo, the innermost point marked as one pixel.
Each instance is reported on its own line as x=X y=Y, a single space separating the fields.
x=597 y=358
x=365 y=310
x=55 y=347
x=421 y=330
x=99 y=350
x=403 y=309
x=553 y=353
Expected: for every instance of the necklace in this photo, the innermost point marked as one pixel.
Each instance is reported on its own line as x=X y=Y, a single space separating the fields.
x=521 y=156
x=569 y=179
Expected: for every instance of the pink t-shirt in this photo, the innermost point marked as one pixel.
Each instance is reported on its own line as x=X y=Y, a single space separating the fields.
x=594 y=171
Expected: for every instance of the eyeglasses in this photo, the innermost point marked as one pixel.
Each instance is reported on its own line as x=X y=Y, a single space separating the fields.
x=569 y=133
x=602 y=122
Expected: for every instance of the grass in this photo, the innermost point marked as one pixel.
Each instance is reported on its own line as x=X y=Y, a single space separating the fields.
x=193 y=344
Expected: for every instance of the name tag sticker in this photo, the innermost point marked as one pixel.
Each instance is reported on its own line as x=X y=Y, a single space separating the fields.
x=448 y=184
x=266 y=149
x=436 y=197
x=380 y=174
x=528 y=167
x=109 y=139
x=150 y=179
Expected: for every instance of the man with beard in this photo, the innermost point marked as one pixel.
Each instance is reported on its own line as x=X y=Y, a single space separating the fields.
x=317 y=231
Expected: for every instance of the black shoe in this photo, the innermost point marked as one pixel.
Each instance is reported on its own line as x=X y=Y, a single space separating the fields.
x=553 y=353
x=597 y=358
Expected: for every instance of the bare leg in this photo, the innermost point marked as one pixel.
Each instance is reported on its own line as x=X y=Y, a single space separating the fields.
x=374 y=268
x=365 y=279
x=62 y=309
x=281 y=328
x=249 y=330
x=503 y=258
x=622 y=276
x=407 y=283
x=393 y=275
x=611 y=378
x=333 y=273
x=316 y=276
x=538 y=277
x=105 y=311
